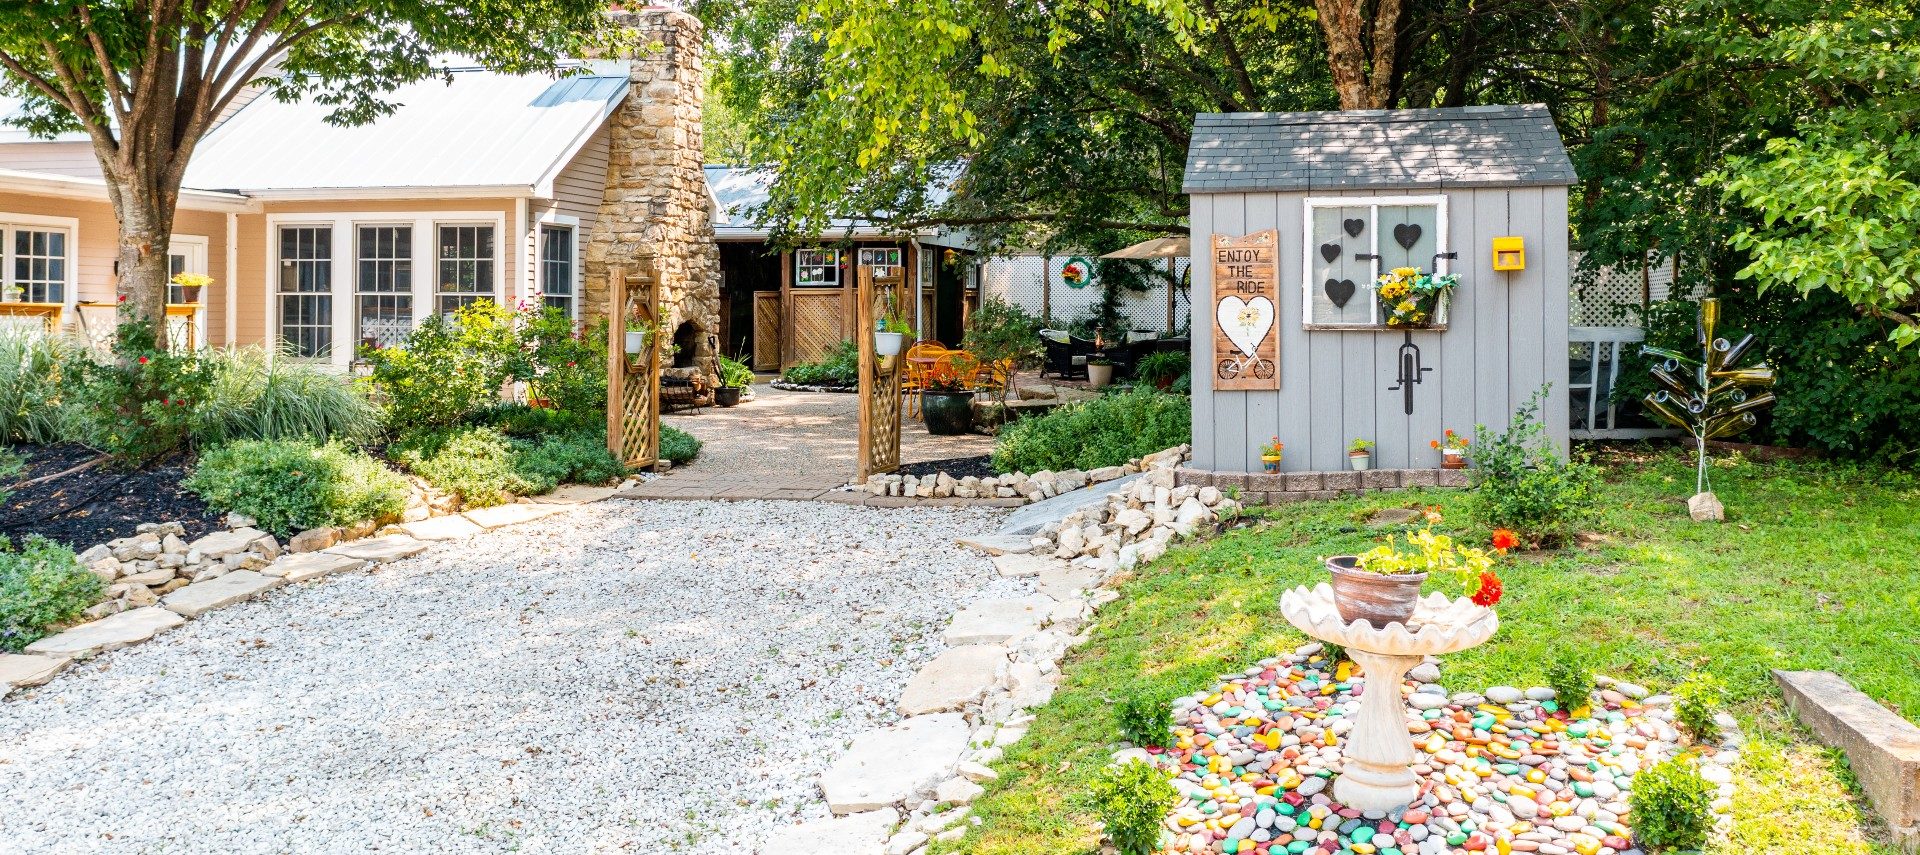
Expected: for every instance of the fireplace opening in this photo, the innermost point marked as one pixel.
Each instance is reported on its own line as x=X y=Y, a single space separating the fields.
x=686 y=344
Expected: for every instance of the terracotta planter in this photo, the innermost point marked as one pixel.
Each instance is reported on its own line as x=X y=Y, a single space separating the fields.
x=947 y=413
x=1452 y=460
x=1360 y=462
x=1099 y=375
x=727 y=396
x=1377 y=598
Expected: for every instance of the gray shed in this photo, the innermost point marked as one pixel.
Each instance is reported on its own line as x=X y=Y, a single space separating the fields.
x=1350 y=195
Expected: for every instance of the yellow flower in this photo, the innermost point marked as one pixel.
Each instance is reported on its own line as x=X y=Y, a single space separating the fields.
x=1406 y=272
x=1405 y=306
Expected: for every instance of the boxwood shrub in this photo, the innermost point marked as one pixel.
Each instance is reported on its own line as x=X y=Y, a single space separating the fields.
x=292 y=485
x=41 y=585
x=1106 y=431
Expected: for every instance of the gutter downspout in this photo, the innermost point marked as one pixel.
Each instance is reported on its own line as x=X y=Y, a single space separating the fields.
x=233 y=273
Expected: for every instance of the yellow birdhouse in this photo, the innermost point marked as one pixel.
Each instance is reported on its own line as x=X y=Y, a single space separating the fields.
x=1509 y=253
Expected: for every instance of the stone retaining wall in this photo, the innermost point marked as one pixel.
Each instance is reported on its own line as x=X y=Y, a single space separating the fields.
x=1261 y=489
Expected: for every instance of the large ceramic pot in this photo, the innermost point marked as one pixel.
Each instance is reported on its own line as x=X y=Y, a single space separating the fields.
x=727 y=396
x=947 y=413
x=1099 y=375
x=1377 y=598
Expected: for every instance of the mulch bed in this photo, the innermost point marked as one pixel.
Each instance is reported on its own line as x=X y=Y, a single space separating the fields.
x=100 y=503
x=958 y=467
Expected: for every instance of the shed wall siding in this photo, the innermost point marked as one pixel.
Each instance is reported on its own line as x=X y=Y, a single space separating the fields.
x=1507 y=334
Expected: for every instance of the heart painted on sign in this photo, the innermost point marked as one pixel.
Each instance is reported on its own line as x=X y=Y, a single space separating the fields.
x=1339 y=291
x=1406 y=235
x=1329 y=251
x=1246 y=322
x=1353 y=227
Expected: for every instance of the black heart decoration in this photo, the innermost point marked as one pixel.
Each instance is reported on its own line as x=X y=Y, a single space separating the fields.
x=1329 y=251
x=1353 y=227
x=1406 y=234
x=1339 y=291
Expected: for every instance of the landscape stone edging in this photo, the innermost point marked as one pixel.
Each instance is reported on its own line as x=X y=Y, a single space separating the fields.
x=49 y=656
x=1260 y=488
x=1015 y=488
x=796 y=387
x=1882 y=748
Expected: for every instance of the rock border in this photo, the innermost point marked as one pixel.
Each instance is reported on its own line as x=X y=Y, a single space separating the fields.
x=1020 y=487
x=796 y=387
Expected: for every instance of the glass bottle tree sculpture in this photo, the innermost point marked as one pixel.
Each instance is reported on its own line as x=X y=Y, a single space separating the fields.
x=1712 y=396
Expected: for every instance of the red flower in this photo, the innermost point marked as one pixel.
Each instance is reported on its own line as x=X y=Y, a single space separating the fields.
x=1504 y=539
x=570 y=364
x=143 y=360
x=1488 y=592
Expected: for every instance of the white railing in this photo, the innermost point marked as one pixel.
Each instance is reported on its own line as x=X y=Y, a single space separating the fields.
x=1594 y=363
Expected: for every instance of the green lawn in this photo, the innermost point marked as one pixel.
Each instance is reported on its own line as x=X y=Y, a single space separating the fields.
x=1815 y=568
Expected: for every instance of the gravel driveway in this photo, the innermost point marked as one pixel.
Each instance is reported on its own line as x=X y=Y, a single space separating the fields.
x=628 y=677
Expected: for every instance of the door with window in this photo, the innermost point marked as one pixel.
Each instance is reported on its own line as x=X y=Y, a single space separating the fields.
x=304 y=292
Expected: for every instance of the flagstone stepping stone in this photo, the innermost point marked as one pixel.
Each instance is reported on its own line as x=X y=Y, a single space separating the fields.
x=201 y=597
x=574 y=494
x=1022 y=566
x=381 y=550
x=891 y=764
x=953 y=679
x=999 y=544
x=1032 y=518
x=500 y=515
x=999 y=621
x=449 y=527
x=312 y=565
x=1065 y=581
x=221 y=544
x=109 y=633
x=862 y=833
x=18 y=671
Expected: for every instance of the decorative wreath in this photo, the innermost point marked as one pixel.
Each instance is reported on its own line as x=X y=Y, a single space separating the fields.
x=1077 y=272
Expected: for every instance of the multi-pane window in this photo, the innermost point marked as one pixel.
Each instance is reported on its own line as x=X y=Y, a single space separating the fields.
x=816 y=268
x=37 y=272
x=556 y=267
x=305 y=290
x=466 y=266
x=1351 y=241
x=383 y=284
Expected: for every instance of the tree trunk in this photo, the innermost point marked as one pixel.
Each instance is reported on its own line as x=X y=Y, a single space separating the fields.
x=142 y=263
x=1361 y=53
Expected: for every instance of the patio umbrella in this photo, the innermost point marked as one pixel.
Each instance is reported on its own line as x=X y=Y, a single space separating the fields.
x=1164 y=247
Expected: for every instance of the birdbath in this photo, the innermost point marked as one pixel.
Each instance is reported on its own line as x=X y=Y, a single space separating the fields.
x=1378 y=774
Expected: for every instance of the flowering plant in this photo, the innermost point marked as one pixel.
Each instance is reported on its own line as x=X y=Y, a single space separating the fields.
x=943 y=378
x=1451 y=442
x=1411 y=298
x=1272 y=448
x=1431 y=553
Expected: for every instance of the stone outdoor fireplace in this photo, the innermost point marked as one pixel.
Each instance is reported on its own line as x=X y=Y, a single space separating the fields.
x=656 y=218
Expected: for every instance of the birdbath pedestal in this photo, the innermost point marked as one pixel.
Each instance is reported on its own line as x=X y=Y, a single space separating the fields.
x=1378 y=773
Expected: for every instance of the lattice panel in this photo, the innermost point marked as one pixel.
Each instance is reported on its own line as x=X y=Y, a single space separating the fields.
x=766 y=331
x=633 y=384
x=816 y=325
x=1611 y=297
x=879 y=388
x=1019 y=279
x=639 y=414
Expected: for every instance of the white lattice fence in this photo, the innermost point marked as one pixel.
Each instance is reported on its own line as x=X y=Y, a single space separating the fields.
x=1020 y=279
x=1613 y=296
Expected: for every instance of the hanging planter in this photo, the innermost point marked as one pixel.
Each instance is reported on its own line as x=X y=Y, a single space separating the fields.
x=888 y=343
x=1410 y=299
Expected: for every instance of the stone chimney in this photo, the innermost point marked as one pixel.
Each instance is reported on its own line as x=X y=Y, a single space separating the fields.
x=657 y=215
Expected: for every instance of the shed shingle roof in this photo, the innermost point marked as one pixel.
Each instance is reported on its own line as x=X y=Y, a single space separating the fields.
x=1492 y=146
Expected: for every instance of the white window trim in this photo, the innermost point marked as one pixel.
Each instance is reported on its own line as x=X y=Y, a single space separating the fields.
x=839 y=258
x=69 y=289
x=425 y=288
x=1373 y=204
x=554 y=218
x=413 y=258
x=197 y=247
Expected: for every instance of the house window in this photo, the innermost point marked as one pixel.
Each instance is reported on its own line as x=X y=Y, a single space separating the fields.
x=383 y=286
x=36 y=265
x=884 y=261
x=816 y=268
x=556 y=267
x=466 y=267
x=1351 y=241
x=305 y=291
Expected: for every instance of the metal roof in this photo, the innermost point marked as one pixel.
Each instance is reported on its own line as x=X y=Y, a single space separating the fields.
x=482 y=130
x=1492 y=146
x=739 y=191
x=11 y=108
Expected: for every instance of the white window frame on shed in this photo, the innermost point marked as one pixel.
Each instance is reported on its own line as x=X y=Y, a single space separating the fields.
x=1373 y=204
x=69 y=226
x=571 y=223
x=345 y=265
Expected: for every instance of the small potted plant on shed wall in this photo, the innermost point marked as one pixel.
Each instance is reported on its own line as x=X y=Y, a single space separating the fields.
x=1382 y=586
x=1360 y=454
x=1453 y=450
x=1270 y=454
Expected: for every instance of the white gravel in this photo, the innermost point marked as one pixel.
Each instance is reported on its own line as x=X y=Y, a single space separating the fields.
x=630 y=676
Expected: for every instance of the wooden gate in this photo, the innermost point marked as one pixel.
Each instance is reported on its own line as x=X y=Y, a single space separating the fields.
x=879 y=384
x=766 y=331
x=817 y=323
x=633 y=383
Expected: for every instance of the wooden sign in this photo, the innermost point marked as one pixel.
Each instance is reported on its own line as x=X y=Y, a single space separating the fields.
x=1246 y=304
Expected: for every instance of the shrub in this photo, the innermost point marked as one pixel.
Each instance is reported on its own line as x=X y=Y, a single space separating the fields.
x=447 y=369
x=1571 y=680
x=253 y=396
x=578 y=458
x=1162 y=365
x=1671 y=806
x=1522 y=483
x=678 y=446
x=36 y=373
x=563 y=362
x=1132 y=800
x=1145 y=715
x=734 y=373
x=476 y=465
x=290 y=485
x=41 y=585
x=520 y=420
x=1000 y=331
x=1106 y=431
x=140 y=405
x=840 y=368
x=1695 y=701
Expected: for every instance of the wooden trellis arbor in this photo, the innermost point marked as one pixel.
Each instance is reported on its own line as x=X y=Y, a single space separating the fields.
x=633 y=380
x=879 y=378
